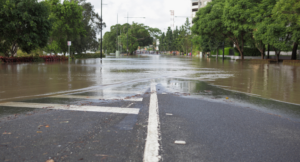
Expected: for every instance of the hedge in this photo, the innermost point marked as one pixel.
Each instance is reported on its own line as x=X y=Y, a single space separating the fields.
x=226 y=51
x=250 y=51
x=33 y=59
x=247 y=51
x=87 y=55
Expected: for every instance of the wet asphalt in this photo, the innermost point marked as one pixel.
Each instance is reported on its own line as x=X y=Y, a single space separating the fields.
x=213 y=131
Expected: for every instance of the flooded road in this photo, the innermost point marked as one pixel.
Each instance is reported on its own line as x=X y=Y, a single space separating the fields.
x=259 y=84
x=95 y=110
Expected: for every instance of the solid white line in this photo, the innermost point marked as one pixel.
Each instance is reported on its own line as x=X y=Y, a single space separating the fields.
x=151 y=153
x=94 y=97
x=73 y=107
x=113 y=92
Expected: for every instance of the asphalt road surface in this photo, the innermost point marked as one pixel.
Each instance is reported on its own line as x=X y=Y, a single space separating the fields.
x=152 y=126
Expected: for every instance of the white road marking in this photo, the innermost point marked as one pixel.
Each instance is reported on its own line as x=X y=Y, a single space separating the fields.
x=151 y=153
x=180 y=142
x=95 y=97
x=127 y=92
x=73 y=107
x=169 y=114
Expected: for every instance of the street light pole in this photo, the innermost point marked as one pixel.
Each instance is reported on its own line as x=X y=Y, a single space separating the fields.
x=117 y=34
x=127 y=33
x=101 y=33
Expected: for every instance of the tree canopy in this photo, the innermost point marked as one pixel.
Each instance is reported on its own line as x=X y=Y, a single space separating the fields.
x=254 y=23
x=24 y=24
x=135 y=34
x=48 y=25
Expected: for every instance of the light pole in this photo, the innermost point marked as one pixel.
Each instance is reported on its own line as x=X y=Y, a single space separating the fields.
x=127 y=28
x=190 y=33
x=101 y=32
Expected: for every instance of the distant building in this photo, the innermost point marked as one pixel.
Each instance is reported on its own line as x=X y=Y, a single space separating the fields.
x=197 y=4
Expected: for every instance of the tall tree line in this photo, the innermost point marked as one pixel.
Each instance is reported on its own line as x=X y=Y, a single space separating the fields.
x=180 y=39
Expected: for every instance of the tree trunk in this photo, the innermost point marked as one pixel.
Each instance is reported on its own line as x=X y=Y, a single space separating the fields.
x=14 y=49
x=268 y=51
x=242 y=47
x=294 y=54
x=277 y=53
x=263 y=51
x=6 y=54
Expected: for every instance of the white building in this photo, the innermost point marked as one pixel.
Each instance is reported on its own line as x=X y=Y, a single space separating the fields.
x=197 y=4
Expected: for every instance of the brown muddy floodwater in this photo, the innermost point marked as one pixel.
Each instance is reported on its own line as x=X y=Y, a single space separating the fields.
x=33 y=80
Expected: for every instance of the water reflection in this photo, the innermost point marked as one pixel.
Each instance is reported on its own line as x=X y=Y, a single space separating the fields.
x=203 y=90
x=271 y=81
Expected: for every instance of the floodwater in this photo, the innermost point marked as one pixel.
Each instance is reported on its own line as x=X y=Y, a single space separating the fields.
x=263 y=85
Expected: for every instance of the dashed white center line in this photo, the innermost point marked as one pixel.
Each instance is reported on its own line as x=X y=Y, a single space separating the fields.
x=180 y=142
x=73 y=107
x=151 y=153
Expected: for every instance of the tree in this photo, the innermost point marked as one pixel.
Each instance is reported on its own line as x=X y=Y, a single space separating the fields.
x=238 y=19
x=287 y=12
x=23 y=24
x=92 y=25
x=275 y=34
x=67 y=24
x=169 y=40
x=185 y=36
x=162 y=42
x=209 y=27
x=136 y=35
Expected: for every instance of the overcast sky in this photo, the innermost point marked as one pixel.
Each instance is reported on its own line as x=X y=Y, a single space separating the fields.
x=157 y=12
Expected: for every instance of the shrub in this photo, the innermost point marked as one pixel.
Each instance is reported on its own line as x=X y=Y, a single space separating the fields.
x=52 y=58
x=226 y=51
x=250 y=51
x=33 y=59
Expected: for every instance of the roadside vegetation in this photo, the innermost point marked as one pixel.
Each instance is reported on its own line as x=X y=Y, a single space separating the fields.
x=138 y=35
x=29 y=28
x=259 y=24
x=88 y=55
x=178 y=40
